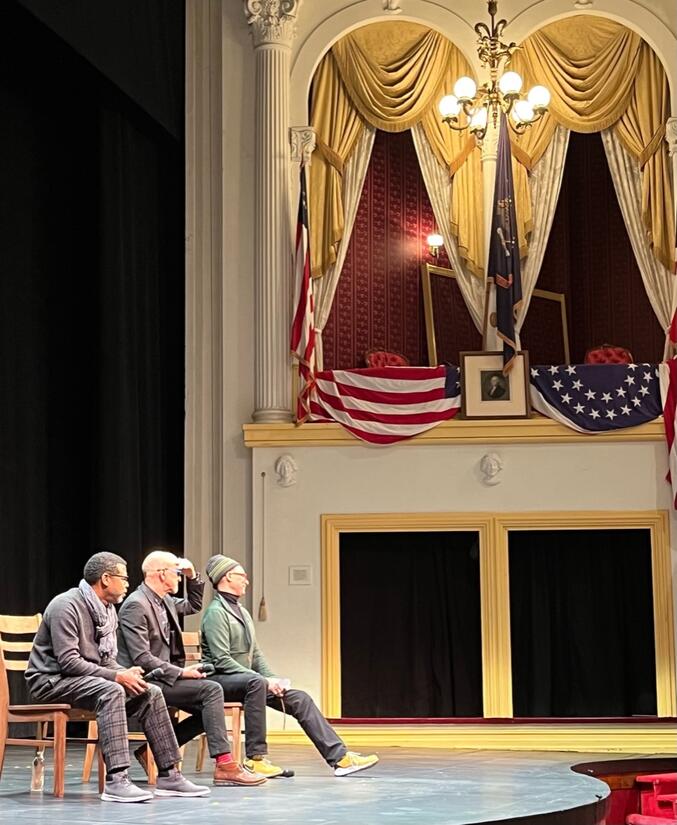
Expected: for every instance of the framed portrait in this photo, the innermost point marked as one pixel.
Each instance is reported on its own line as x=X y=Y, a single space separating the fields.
x=487 y=393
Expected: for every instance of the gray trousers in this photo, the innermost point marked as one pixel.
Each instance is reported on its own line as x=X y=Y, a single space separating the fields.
x=204 y=701
x=112 y=706
x=252 y=690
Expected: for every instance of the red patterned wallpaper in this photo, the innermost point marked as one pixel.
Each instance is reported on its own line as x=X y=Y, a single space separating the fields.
x=590 y=259
x=379 y=299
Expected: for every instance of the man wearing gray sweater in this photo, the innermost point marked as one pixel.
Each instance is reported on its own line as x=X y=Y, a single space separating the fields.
x=73 y=661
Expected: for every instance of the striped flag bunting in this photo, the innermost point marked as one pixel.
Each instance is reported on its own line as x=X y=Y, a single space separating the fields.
x=385 y=405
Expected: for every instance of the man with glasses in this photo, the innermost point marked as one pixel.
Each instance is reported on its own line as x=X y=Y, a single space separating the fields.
x=74 y=661
x=149 y=636
x=229 y=643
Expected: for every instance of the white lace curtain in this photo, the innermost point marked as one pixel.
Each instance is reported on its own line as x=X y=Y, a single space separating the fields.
x=545 y=183
x=438 y=183
x=627 y=177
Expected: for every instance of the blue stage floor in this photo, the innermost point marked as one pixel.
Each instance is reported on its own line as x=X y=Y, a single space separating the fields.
x=424 y=787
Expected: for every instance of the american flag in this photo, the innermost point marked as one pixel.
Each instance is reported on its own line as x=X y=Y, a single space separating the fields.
x=668 y=385
x=595 y=398
x=302 y=341
x=386 y=405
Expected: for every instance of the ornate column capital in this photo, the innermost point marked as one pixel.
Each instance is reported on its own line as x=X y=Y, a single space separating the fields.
x=302 y=140
x=671 y=135
x=272 y=21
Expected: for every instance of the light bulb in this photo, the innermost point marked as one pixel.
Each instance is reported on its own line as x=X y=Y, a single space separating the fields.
x=510 y=83
x=523 y=111
x=465 y=88
x=478 y=121
x=539 y=97
x=449 y=106
x=435 y=240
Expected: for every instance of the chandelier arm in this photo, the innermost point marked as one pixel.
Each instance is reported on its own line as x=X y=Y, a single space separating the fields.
x=453 y=123
x=468 y=107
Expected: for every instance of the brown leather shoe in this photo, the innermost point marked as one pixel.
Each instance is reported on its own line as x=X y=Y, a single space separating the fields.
x=230 y=773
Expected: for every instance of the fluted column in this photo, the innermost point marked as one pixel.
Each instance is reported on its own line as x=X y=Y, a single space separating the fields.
x=272 y=24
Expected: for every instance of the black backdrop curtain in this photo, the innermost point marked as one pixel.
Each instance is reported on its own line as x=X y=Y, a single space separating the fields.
x=410 y=625
x=581 y=623
x=91 y=314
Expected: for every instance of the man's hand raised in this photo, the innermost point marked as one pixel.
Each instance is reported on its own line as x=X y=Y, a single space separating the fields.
x=132 y=681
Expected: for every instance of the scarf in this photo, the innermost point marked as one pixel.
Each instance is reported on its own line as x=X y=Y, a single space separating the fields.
x=105 y=620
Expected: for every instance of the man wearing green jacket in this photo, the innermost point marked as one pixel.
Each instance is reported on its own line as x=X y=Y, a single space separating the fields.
x=229 y=643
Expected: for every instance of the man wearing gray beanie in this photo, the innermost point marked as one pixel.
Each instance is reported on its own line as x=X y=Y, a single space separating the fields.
x=229 y=643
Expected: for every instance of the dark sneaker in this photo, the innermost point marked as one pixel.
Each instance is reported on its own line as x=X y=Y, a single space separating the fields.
x=176 y=784
x=120 y=788
x=230 y=773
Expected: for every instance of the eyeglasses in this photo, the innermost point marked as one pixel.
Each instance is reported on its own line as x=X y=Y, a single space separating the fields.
x=176 y=570
x=244 y=575
x=118 y=576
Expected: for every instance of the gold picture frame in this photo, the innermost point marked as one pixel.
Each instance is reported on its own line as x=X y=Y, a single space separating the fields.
x=487 y=393
x=545 y=294
x=427 y=271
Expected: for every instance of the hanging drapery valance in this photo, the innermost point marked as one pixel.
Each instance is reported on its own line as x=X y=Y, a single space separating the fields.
x=389 y=76
x=600 y=75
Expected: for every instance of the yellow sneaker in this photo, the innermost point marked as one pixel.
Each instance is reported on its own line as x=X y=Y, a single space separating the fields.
x=353 y=762
x=263 y=767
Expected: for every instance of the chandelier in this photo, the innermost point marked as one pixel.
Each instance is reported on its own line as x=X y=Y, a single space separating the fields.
x=470 y=108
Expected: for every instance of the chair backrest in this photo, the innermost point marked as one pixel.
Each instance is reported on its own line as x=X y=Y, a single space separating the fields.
x=15 y=626
x=385 y=358
x=192 y=646
x=21 y=626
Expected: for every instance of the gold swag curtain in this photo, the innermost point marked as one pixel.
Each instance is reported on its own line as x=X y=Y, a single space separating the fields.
x=391 y=76
x=600 y=75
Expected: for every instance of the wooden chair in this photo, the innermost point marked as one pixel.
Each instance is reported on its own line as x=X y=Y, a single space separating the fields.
x=232 y=710
x=40 y=715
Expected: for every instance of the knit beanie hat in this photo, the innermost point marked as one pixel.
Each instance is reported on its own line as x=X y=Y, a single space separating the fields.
x=218 y=566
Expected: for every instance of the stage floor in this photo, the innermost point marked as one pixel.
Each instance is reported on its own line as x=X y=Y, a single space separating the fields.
x=426 y=787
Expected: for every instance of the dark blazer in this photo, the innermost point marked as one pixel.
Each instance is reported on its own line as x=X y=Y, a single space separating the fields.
x=140 y=638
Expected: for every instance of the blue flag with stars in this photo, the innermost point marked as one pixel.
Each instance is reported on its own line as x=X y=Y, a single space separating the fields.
x=504 y=255
x=597 y=397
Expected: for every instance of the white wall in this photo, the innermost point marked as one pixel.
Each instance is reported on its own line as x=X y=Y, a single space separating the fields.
x=438 y=478
x=359 y=479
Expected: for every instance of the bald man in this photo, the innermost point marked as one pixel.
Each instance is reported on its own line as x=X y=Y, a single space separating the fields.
x=149 y=636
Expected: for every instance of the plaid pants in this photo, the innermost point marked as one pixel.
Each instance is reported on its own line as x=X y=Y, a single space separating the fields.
x=112 y=707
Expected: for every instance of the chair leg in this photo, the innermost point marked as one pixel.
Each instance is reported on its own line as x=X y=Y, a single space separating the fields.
x=152 y=768
x=101 y=769
x=90 y=750
x=201 y=748
x=38 y=769
x=237 y=734
x=4 y=730
x=60 y=720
